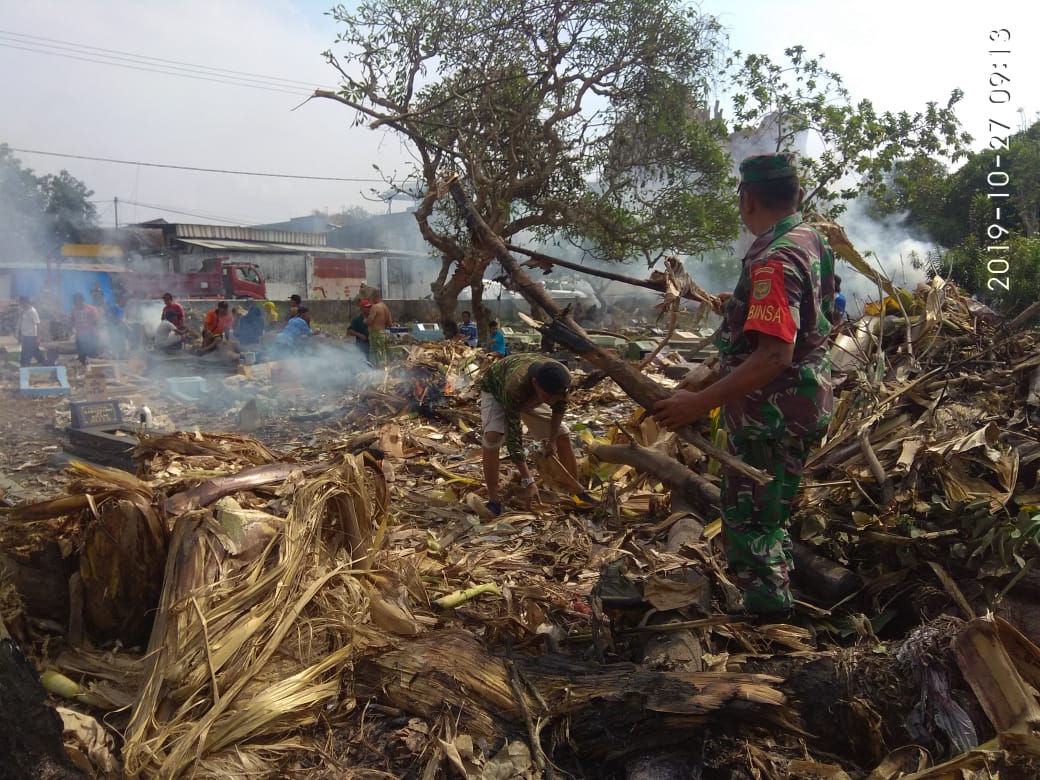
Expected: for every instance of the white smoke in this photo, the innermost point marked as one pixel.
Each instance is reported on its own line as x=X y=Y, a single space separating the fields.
x=888 y=246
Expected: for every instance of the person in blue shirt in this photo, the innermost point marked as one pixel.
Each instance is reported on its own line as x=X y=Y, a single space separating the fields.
x=468 y=329
x=292 y=337
x=498 y=340
x=838 y=313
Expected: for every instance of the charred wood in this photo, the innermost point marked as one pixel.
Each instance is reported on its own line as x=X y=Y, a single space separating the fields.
x=30 y=729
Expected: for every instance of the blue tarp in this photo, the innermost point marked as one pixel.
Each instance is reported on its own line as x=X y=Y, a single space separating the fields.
x=32 y=281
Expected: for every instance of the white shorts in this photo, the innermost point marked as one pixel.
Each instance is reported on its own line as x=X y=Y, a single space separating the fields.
x=538 y=420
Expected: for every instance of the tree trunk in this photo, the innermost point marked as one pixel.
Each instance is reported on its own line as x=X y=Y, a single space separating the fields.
x=480 y=311
x=853 y=704
x=658 y=281
x=468 y=272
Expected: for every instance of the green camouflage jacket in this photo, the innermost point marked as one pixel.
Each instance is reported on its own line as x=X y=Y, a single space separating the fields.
x=509 y=384
x=786 y=288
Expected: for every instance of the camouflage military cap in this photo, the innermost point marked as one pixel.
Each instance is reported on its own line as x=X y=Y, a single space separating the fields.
x=766 y=167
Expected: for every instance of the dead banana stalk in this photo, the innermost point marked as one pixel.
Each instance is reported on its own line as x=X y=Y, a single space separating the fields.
x=460 y=597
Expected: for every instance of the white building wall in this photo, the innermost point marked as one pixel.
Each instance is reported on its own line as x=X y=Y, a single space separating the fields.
x=402 y=277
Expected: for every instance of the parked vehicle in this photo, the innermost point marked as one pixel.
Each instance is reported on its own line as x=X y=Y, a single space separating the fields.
x=218 y=278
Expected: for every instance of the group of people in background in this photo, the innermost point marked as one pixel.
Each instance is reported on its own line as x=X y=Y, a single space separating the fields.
x=227 y=325
x=97 y=327
x=466 y=331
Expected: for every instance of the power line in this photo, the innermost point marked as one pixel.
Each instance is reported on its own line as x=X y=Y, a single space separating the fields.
x=131 y=61
x=145 y=57
x=191 y=168
x=153 y=70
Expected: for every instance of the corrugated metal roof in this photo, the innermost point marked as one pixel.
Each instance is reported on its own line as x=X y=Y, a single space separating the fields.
x=233 y=233
x=271 y=248
x=276 y=248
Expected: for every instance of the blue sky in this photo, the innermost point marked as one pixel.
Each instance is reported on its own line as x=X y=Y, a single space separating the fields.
x=898 y=54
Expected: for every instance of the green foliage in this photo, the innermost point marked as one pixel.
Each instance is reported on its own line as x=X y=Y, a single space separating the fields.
x=68 y=206
x=860 y=145
x=970 y=188
x=21 y=230
x=1001 y=544
x=950 y=207
x=977 y=270
x=39 y=214
x=958 y=210
x=574 y=121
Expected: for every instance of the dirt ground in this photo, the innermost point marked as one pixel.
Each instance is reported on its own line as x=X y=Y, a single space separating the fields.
x=33 y=455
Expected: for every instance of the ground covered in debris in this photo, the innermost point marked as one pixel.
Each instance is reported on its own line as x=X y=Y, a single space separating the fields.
x=304 y=584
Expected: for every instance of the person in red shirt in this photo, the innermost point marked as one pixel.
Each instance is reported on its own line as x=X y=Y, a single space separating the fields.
x=173 y=312
x=86 y=325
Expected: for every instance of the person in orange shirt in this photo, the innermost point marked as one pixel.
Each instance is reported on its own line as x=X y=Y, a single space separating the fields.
x=215 y=325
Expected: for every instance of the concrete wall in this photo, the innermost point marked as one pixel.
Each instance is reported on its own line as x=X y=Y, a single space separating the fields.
x=409 y=278
x=285 y=274
x=328 y=311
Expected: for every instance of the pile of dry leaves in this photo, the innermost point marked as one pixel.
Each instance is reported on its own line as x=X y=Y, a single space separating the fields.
x=343 y=608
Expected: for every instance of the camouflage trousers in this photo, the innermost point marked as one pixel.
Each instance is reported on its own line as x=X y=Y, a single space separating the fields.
x=379 y=343
x=754 y=520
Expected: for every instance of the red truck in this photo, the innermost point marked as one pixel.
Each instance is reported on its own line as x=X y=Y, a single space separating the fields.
x=218 y=278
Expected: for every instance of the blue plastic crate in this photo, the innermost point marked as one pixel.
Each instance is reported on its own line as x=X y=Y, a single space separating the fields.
x=186 y=389
x=427 y=331
x=54 y=373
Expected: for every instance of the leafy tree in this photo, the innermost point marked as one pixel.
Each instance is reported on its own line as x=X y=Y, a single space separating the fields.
x=39 y=214
x=951 y=206
x=572 y=121
x=1025 y=178
x=958 y=210
x=920 y=189
x=1008 y=281
x=21 y=204
x=803 y=97
x=982 y=176
x=68 y=206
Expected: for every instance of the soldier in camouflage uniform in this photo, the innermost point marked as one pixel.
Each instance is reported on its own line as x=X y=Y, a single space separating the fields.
x=511 y=392
x=774 y=383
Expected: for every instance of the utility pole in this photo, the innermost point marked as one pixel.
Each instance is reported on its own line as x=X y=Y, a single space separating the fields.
x=115 y=203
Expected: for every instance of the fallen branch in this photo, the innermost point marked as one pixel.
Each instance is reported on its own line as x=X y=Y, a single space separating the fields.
x=888 y=491
x=209 y=491
x=698 y=491
x=643 y=390
x=658 y=282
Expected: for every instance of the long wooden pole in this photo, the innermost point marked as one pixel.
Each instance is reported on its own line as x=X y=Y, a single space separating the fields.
x=643 y=390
